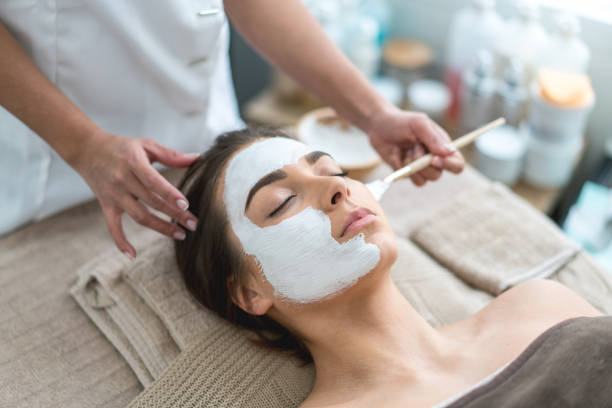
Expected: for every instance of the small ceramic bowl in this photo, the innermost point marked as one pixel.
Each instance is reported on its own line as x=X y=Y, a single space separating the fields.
x=324 y=130
x=499 y=154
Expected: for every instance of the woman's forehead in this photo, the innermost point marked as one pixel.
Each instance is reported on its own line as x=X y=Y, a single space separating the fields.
x=263 y=157
x=254 y=162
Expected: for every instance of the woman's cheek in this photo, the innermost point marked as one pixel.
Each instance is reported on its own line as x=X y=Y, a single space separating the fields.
x=362 y=196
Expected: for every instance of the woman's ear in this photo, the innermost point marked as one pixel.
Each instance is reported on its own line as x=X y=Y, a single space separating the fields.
x=251 y=300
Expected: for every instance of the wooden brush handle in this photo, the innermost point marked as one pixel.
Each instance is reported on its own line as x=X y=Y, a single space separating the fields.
x=424 y=161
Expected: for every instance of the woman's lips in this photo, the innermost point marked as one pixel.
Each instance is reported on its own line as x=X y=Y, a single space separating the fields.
x=357 y=220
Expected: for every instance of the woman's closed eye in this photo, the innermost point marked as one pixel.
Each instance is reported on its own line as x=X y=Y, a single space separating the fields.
x=288 y=199
x=280 y=207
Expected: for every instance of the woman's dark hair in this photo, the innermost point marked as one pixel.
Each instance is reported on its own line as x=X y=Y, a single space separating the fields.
x=207 y=258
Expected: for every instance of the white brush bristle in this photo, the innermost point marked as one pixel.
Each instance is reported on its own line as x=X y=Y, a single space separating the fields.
x=378 y=188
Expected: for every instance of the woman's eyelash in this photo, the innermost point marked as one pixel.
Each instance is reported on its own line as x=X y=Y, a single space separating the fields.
x=280 y=207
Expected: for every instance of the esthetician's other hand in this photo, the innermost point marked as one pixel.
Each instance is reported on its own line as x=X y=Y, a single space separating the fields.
x=402 y=136
x=119 y=171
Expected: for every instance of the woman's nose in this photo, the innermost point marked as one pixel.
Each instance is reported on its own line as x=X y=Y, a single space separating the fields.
x=335 y=192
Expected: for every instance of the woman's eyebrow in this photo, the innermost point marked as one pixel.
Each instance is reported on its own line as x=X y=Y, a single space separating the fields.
x=312 y=157
x=276 y=175
x=264 y=181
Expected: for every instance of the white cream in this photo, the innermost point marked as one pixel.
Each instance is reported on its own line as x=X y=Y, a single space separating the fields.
x=298 y=256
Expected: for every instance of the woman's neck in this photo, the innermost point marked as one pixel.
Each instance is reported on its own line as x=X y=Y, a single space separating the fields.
x=373 y=339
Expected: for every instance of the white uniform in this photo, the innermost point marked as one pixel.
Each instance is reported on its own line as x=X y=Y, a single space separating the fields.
x=140 y=68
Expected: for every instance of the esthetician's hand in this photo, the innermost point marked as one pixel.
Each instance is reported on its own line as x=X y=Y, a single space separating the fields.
x=402 y=136
x=119 y=171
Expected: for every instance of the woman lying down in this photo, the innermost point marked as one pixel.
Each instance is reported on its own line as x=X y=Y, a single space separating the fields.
x=301 y=254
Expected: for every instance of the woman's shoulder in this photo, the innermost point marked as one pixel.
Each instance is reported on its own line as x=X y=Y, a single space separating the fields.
x=539 y=300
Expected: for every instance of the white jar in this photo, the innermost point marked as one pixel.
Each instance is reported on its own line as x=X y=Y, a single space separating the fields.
x=430 y=97
x=361 y=39
x=556 y=123
x=499 y=154
x=390 y=88
x=549 y=164
x=523 y=39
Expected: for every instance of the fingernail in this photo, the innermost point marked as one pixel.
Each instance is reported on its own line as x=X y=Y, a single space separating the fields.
x=126 y=253
x=450 y=148
x=180 y=235
x=191 y=224
x=437 y=161
x=182 y=204
x=193 y=155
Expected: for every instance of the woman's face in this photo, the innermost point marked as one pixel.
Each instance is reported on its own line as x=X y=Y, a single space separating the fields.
x=317 y=181
x=313 y=231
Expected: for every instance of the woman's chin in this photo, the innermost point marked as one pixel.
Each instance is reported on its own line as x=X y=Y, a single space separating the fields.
x=387 y=245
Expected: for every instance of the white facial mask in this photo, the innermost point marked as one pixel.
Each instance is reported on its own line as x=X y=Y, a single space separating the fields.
x=298 y=256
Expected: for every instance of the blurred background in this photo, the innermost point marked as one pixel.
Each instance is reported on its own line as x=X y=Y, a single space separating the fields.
x=545 y=65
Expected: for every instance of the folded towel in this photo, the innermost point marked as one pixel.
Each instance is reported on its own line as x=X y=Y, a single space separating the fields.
x=94 y=299
x=156 y=278
x=493 y=240
x=223 y=369
x=123 y=316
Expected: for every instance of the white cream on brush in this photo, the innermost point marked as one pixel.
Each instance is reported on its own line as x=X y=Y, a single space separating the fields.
x=298 y=256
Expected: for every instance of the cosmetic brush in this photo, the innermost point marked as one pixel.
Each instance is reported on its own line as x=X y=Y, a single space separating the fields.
x=379 y=187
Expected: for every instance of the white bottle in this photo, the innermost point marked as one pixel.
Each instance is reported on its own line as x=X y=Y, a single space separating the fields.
x=381 y=11
x=362 y=48
x=512 y=95
x=472 y=29
x=478 y=91
x=565 y=50
x=523 y=39
x=328 y=15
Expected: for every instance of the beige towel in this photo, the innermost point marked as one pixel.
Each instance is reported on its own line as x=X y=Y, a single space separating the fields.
x=222 y=369
x=156 y=278
x=51 y=353
x=493 y=240
x=123 y=316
